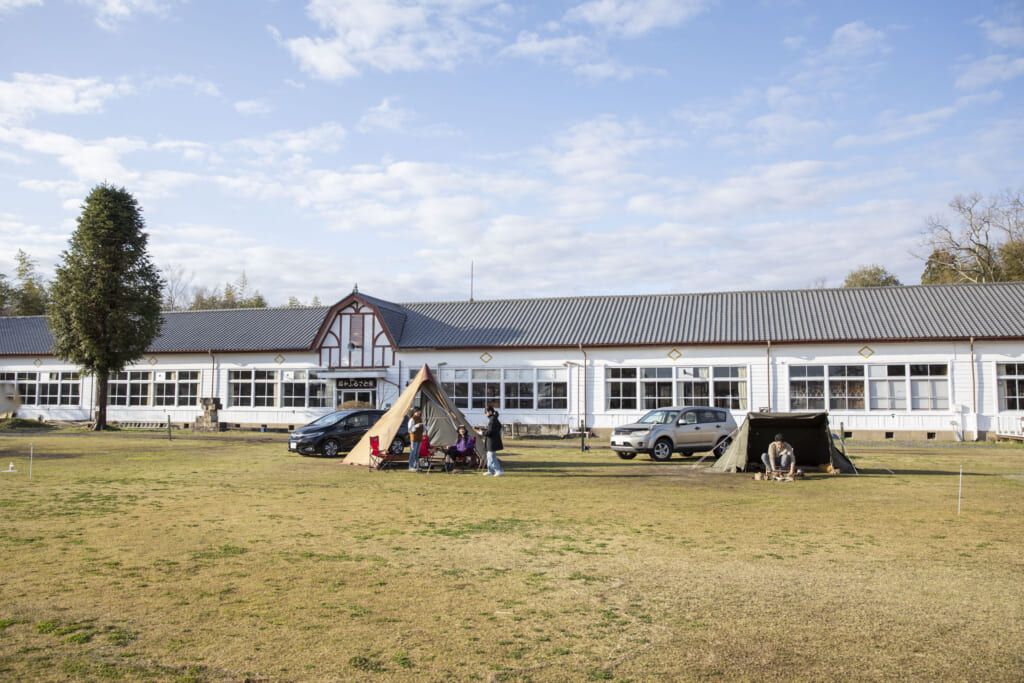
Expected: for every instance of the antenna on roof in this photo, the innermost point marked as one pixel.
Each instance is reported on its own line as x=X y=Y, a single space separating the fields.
x=471 y=281
x=355 y=288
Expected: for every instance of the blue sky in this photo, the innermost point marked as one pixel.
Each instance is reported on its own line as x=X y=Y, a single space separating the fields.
x=562 y=148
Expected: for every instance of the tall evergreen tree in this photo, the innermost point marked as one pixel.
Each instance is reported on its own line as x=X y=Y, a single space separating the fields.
x=30 y=296
x=105 y=300
x=6 y=296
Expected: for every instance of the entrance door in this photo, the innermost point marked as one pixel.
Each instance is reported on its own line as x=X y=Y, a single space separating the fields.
x=364 y=395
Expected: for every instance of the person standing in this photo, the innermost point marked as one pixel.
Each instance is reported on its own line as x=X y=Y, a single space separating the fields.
x=415 y=427
x=493 y=443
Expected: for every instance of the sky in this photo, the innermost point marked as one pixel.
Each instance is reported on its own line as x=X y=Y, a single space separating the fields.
x=431 y=150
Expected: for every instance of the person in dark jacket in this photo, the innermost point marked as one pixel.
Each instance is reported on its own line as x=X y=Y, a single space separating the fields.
x=493 y=443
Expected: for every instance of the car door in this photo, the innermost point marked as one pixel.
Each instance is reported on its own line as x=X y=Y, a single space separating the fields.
x=355 y=426
x=711 y=423
x=687 y=431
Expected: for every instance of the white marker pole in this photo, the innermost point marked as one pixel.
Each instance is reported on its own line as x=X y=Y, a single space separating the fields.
x=960 y=493
x=31 y=457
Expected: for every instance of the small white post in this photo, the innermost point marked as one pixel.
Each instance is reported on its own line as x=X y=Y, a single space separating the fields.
x=960 y=493
x=31 y=457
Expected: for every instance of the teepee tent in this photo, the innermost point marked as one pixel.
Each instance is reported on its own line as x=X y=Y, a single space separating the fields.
x=808 y=433
x=441 y=419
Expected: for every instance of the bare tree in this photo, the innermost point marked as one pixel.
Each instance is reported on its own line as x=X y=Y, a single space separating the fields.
x=178 y=287
x=983 y=243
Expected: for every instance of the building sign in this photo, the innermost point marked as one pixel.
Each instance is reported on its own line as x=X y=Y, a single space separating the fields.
x=357 y=383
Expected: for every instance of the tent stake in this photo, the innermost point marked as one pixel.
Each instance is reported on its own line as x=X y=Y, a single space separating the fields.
x=960 y=493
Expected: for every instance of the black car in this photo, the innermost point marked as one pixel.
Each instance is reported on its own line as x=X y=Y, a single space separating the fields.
x=339 y=433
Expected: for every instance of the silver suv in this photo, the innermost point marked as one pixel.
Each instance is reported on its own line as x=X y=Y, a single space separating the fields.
x=664 y=431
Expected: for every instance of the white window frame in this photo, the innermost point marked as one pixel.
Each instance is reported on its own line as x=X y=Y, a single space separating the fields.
x=1010 y=386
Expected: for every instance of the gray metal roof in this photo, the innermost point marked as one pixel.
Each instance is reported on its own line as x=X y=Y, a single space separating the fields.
x=812 y=315
x=392 y=315
x=936 y=312
x=242 y=329
x=239 y=329
x=24 y=336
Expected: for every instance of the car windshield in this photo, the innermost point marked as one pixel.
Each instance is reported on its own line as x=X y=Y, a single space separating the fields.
x=659 y=417
x=328 y=420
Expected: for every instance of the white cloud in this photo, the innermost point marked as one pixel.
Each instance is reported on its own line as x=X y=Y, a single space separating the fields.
x=894 y=128
x=565 y=50
x=598 y=149
x=252 y=107
x=794 y=42
x=387 y=116
x=189 y=150
x=778 y=130
x=389 y=35
x=856 y=40
x=326 y=137
x=42 y=243
x=109 y=13
x=185 y=81
x=606 y=70
x=634 y=18
x=29 y=94
x=1009 y=34
x=91 y=162
x=11 y=5
x=993 y=69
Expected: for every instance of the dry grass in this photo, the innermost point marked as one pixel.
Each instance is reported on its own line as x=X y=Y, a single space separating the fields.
x=130 y=557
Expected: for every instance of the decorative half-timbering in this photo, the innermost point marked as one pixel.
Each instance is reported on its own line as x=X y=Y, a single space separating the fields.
x=355 y=337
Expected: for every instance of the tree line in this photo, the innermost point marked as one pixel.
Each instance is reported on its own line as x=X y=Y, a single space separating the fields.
x=981 y=241
x=27 y=293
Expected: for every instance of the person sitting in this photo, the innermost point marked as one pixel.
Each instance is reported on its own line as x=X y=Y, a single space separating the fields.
x=781 y=450
x=464 y=448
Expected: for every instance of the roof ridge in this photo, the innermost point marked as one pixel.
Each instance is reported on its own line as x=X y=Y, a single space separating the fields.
x=249 y=308
x=809 y=290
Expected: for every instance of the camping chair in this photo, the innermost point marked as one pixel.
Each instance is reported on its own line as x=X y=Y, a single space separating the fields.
x=380 y=459
x=432 y=457
x=471 y=460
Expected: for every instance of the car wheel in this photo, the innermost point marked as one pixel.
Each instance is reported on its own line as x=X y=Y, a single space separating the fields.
x=330 y=448
x=627 y=456
x=662 y=450
x=396 y=447
x=686 y=454
x=721 y=447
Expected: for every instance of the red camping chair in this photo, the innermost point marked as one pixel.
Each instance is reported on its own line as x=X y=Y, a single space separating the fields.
x=432 y=457
x=381 y=460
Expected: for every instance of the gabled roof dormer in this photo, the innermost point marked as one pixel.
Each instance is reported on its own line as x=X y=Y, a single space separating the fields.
x=360 y=332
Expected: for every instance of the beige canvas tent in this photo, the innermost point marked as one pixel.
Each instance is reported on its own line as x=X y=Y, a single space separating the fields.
x=440 y=417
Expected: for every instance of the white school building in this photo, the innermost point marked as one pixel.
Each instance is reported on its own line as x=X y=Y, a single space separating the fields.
x=921 y=362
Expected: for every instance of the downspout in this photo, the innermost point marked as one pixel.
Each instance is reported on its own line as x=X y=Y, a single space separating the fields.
x=768 y=367
x=974 y=393
x=583 y=427
x=213 y=374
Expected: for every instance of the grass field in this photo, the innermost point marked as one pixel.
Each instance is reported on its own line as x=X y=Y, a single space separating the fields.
x=131 y=557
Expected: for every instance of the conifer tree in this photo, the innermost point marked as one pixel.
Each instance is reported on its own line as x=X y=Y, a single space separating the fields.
x=105 y=300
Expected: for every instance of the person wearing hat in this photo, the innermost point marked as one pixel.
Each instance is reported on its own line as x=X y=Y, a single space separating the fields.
x=781 y=450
